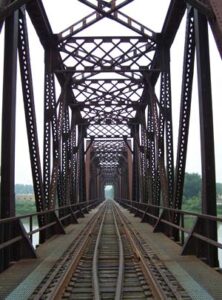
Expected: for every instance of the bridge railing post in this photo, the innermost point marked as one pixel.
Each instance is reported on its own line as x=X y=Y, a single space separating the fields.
x=208 y=195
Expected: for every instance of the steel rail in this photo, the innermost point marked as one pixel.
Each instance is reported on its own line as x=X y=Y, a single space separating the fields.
x=95 y=277
x=155 y=286
x=120 y=278
x=155 y=278
x=86 y=233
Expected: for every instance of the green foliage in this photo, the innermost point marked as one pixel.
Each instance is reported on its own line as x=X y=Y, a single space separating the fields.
x=191 y=192
x=192 y=204
x=25 y=207
x=192 y=186
x=219 y=188
x=23 y=189
x=219 y=210
x=191 y=195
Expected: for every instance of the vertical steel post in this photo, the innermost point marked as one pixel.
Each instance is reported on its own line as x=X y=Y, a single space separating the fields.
x=49 y=124
x=185 y=106
x=143 y=156
x=153 y=174
x=87 y=170
x=129 y=167
x=73 y=159
x=65 y=159
x=82 y=196
x=7 y=208
x=47 y=131
x=30 y=115
x=206 y=133
x=136 y=184
x=9 y=118
x=166 y=116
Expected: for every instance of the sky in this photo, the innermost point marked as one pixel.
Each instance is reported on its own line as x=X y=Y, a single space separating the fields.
x=150 y=13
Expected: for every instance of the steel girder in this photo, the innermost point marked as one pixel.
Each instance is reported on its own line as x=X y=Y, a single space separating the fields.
x=9 y=117
x=123 y=109
x=7 y=208
x=28 y=96
x=208 y=196
x=187 y=84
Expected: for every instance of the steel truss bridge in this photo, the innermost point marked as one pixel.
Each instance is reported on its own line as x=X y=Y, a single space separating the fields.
x=108 y=125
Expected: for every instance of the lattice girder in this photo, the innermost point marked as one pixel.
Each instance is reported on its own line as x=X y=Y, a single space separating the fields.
x=89 y=54
x=108 y=102
x=108 y=155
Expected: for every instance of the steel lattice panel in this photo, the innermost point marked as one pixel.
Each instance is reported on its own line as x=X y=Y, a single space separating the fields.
x=110 y=104
x=108 y=131
x=109 y=154
x=103 y=54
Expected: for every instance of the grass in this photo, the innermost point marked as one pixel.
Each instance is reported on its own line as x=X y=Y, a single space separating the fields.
x=25 y=204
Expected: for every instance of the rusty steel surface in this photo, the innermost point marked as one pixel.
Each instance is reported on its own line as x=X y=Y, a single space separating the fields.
x=109 y=252
x=188 y=270
x=108 y=126
x=201 y=220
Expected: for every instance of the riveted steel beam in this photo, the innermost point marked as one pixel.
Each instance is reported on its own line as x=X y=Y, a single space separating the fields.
x=206 y=132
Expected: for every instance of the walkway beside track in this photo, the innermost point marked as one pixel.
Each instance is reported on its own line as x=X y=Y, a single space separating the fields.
x=199 y=280
x=22 y=278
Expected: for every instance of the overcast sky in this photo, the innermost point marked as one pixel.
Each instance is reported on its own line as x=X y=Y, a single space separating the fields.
x=150 y=13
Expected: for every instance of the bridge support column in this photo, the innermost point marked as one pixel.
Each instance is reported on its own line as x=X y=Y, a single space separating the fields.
x=7 y=208
x=82 y=182
x=9 y=118
x=135 y=191
x=206 y=132
x=208 y=228
x=185 y=107
x=10 y=230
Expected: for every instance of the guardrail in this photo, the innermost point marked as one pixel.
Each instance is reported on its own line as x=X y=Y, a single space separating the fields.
x=16 y=241
x=203 y=229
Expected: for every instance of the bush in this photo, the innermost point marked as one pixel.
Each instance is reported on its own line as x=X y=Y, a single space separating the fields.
x=25 y=207
x=192 y=204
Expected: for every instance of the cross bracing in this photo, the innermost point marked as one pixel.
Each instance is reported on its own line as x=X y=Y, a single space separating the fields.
x=109 y=124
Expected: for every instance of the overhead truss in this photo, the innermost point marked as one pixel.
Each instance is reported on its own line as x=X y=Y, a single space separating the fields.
x=110 y=125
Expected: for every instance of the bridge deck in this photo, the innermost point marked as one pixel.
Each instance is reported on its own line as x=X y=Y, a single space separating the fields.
x=199 y=280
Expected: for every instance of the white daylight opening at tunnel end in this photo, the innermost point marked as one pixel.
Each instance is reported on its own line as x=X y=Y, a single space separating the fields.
x=109 y=192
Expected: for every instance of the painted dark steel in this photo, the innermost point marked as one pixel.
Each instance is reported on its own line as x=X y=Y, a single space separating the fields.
x=29 y=106
x=209 y=205
x=185 y=106
x=99 y=125
x=9 y=118
x=7 y=200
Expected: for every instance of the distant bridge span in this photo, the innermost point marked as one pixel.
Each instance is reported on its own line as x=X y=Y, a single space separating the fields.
x=108 y=125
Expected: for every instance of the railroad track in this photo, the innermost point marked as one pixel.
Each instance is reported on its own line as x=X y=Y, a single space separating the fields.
x=109 y=261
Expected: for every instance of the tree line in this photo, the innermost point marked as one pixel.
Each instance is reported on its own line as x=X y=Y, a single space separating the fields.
x=192 y=192
x=23 y=189
x=192 y=186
